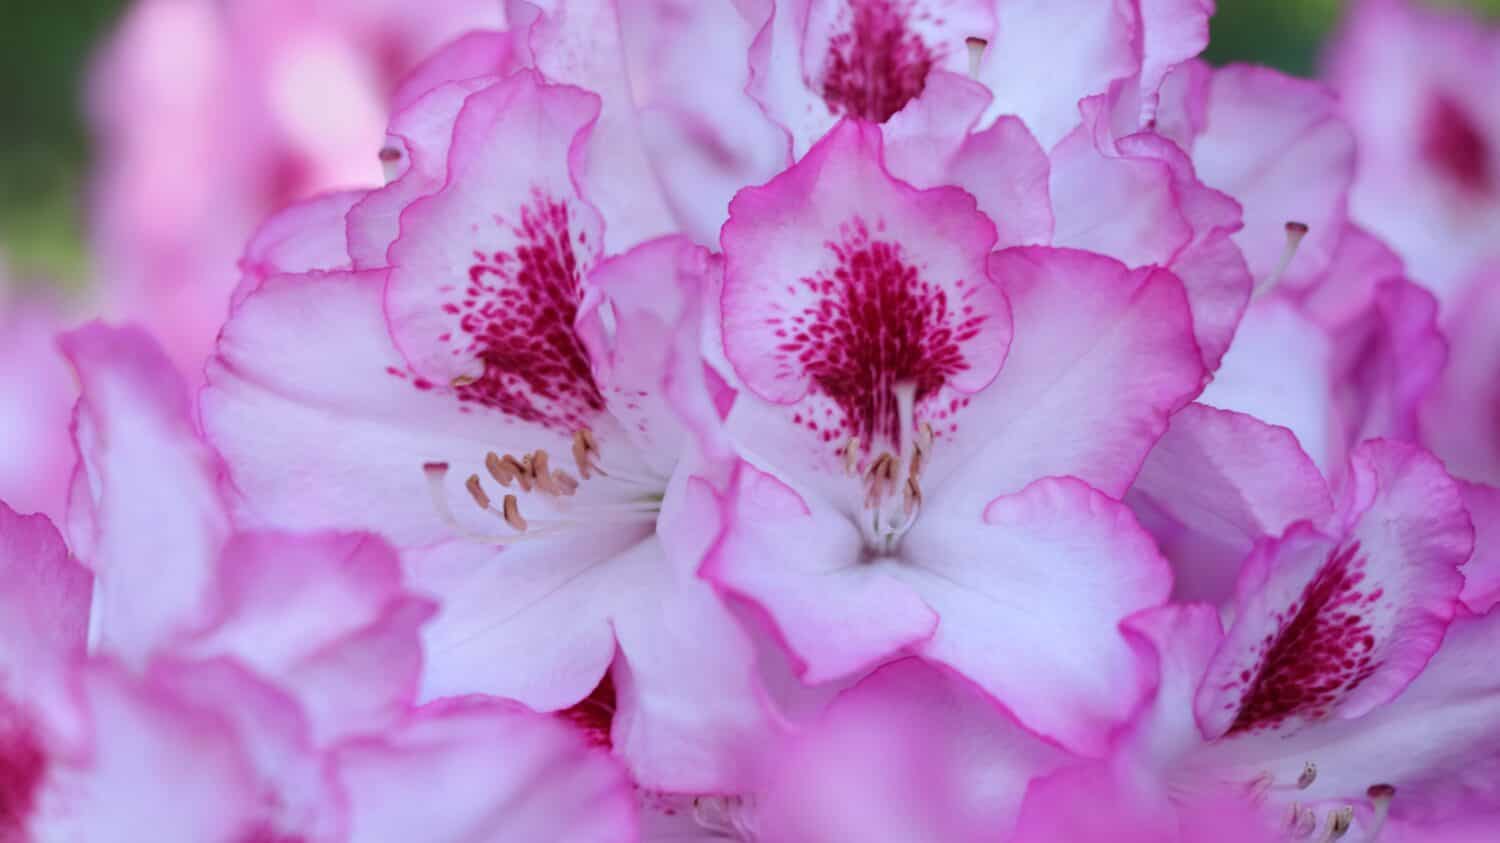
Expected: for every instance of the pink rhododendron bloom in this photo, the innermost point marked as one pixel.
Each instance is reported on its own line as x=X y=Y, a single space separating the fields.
x=209 y=116
x=917 y=487
x=1415 y=85
x=1462 y=412
x=522 y=416
x=1325 y=688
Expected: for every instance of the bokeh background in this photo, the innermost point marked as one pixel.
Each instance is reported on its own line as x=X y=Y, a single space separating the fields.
x=45 y=51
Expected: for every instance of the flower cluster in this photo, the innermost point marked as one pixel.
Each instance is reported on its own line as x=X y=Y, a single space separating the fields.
x=772 y=421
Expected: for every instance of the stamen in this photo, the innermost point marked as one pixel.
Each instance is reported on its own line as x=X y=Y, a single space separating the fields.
x=462 y=380
x=1338 y=823
x=1309 y=775
x=1295 y=231
x=476 y=491
x=504 y=470
x=437 y=473
x=584 y=449
x=541 y=473
x=976 y=54
x=1380 y=795
x=512 y=510
x=389 y=157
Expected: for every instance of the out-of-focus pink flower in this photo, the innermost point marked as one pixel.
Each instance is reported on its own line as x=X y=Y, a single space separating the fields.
x=36 y=393
x=1461 y=419
x=243 y=686
x=554 y=399
x=910 y=492
x=209 y=116
x=1328 y=690
x=1416 y=86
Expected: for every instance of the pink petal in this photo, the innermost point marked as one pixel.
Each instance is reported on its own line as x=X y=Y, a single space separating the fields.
x=473 y=54
x=1049 y=577
x=1101 y=357
x=580 y=44
x=800 y=563
x=1121 y=206
x=922 y=139
x=491 y=770
x=1461 y=417
x=305 y=237
x=1172 y=32
x=1277 y=145
x=1280 y=369
x=157 y=521
x=44 y=613
x=910 y=753
x=157 y=763
x=705 y=135
x=323 y=616
x=1334 y=626
x=1007 y=171
x=1049 y=54
x=1216 y=483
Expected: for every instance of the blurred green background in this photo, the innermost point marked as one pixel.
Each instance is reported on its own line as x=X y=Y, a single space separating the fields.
x=44 y=54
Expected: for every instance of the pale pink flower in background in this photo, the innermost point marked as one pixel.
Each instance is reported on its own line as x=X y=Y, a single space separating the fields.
x=262 y=688
x=919 y=480
x=1415 y=84
x=210 y=116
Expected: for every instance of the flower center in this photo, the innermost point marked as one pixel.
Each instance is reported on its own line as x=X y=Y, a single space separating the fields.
x=891 y=481
x=532 y=479
x=876 y=66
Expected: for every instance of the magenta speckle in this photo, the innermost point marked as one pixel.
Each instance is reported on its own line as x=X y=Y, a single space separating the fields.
x=876 y=323
x=876 y=66
x=1322 y=650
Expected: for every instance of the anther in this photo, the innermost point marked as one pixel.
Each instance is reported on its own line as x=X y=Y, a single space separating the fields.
x=476 y=491
x=566 y=483
x=512 y=511
x=1295 y=231
x=503 y=470
x=924 y=438
x=1339 y=822
x=584 y=449
x=851 y=455
x=462 y=380
x=1309 y=775
x=541 y=474
x=976 y=54
x=523 y=475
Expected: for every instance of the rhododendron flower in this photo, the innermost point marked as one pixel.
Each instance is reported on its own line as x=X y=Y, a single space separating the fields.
x=917 y=486
x=210 y=116
x=557 y=405
x=1346 y=640
x=1415 y=86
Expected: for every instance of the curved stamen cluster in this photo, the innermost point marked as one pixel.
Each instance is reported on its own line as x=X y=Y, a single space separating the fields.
x=533 y=475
